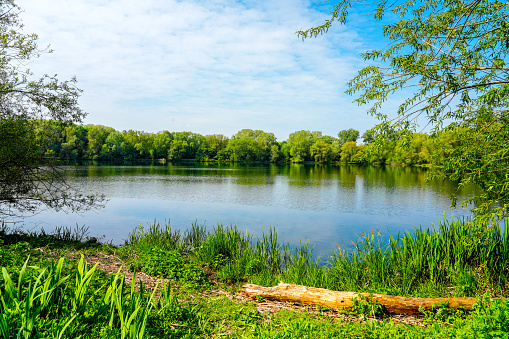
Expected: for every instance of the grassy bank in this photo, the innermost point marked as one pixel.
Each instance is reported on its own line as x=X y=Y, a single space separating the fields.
x=45 y=297
x=454 y=259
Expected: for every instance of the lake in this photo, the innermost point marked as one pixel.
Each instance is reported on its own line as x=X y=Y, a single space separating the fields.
x=326 y=205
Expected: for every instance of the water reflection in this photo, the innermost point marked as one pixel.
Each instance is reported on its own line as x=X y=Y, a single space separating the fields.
x=320 y=203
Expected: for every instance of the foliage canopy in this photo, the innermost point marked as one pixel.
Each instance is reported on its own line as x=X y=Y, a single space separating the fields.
x=26 y=185
x=452 y=57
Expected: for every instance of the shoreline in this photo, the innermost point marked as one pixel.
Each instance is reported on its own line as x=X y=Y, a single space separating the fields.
x=205 y=269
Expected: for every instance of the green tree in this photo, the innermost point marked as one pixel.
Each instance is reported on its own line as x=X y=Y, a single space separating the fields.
x=50 y=135
x=115 y=146
x=224 y=155
x=215 y=143
x=275 y=153
x=336 y=150
x=368 y=136
x=243 y=149
x=187 y=145
x=453 y=55
x=130 y=140
x=145 y=145
x=411 y=150
x=251 y=145
x=26 y=183
x=348 y=135
x=351 y=153
x=439 y=148
x=161 y=144
x=76 y=140
x=328 y=139
x=284 y=151
x=264 y=142
x=321 y=151
x=300 y=143
x=97 y=135
x=178 y=149
x=384 y=138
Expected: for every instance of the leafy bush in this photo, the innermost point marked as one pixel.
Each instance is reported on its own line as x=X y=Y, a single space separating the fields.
x=170 y=264
x=489 y=319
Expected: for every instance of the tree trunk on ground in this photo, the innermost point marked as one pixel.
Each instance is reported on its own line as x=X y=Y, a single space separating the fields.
x=343 y=300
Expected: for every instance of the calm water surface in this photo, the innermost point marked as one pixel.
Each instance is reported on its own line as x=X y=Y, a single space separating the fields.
x=325 y=205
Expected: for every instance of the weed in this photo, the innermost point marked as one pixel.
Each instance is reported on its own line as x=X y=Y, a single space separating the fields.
x=442 y=313
x=365 y=306
x=170 y=264
x=489 y=319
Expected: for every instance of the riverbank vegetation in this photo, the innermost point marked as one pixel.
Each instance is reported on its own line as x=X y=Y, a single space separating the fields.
x=97 y=142
x=456 y=259
x=44 y=295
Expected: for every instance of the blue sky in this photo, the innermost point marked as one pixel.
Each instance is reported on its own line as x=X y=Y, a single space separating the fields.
x=205 y=66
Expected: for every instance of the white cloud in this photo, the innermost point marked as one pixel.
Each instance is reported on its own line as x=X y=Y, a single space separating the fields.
x=204 y=66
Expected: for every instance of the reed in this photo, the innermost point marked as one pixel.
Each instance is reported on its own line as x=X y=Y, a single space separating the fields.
x=456 y=258
x=155 y=236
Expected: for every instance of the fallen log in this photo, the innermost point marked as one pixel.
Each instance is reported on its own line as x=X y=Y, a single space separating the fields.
x=344 y=300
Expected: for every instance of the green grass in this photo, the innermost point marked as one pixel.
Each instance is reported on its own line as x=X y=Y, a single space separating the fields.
x=42 y=298
x=61 y=241
x=455 y=259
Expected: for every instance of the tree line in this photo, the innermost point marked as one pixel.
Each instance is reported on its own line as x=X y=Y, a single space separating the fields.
x=379 y=145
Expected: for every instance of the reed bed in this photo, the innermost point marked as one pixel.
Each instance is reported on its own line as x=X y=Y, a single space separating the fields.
x=457 y=258
x=454 y=258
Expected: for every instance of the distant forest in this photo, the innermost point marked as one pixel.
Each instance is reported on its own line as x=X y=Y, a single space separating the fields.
x=97 y=142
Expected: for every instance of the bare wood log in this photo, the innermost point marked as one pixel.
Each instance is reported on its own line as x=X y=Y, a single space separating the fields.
x=343 y=300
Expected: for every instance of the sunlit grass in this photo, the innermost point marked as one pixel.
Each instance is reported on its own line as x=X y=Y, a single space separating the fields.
x=67 y=299
x=45 y=302
x=455 y=259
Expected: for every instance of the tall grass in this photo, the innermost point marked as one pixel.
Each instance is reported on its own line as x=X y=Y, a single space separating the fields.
x=62 y=237
x=456 y=258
